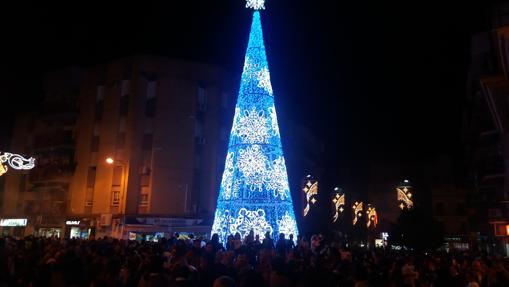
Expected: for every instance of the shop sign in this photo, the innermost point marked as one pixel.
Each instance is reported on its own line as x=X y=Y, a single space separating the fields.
x=72 y=222
x=13 y=222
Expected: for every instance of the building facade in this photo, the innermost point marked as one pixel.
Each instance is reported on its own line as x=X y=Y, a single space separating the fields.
x=485 y=130
x=41 y=195
x=161 y=125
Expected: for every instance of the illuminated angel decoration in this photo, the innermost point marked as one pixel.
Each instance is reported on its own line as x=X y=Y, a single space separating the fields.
x=339 y=205
x=372 y=217
x=404 y=197
x=311 y=190
x=357 y=211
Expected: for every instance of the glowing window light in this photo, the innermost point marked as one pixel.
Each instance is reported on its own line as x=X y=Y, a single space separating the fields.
x=15 y=161
x=404 y=195
x=338 y=203
x=357 y=211
x=254 y=193
x=372 y=216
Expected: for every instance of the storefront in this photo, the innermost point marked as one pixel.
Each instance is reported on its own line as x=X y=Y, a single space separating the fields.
x=154 y=228
x=13 y=226
x=78 y=228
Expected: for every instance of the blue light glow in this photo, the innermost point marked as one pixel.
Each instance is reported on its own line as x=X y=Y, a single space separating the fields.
x=254 y=193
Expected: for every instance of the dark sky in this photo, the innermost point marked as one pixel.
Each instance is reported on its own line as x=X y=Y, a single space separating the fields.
x=373 y=80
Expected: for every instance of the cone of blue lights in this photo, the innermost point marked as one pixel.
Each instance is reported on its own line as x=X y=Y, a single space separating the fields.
x=254 y=194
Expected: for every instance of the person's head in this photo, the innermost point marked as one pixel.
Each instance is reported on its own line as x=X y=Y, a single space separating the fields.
x=197 y=243
x=237 y=236
x=281 y=236
x=215 y=238
x=267 y=235
x=224 y=281
x=291 y=237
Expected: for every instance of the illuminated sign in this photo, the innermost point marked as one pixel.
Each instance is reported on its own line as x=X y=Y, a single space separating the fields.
x=338 y=203
x=357 y=211
x=72 y=222
x=13 y=222
x=15 y=161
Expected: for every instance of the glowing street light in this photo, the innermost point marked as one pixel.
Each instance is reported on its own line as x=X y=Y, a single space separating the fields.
x=110 y=160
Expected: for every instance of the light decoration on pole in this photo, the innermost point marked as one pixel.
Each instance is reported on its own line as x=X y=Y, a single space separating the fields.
x=254 y=193
x=15 y=161
x=310 y=190
x=372 y=216
x=338 y=203
x=405 y=195
x=358 y=208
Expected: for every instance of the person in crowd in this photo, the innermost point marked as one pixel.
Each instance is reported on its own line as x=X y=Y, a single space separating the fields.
x=184 y=261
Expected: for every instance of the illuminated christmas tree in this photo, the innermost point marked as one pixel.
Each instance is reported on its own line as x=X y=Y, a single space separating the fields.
x=254 y=193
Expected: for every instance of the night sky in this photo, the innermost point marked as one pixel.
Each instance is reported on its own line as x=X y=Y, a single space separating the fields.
x=373 y=80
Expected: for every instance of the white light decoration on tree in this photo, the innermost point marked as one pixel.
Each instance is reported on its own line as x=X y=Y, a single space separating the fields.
x=255 y=4
x=252 y=127
x=277 y=180
x=252 y=164
x=404 y=195
x=248 y=220
x=287 y=225
x=264 y=80
x=273 y=121
x=372 y=216
x=15 y=161
x=254 y=192
x=338 y=203
x=227 y=180
x=357 y=211
x=311 y=191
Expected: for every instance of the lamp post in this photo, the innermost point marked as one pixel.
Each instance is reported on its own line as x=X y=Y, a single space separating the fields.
x=123 y=194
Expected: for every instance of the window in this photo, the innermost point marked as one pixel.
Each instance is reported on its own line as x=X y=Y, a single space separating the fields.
x=98 y=115
x=124 y=106
x=461 y=208
x=100 y=94
x=144 y=199
x=117 y=176
x=115 y=197
x=145 y=180
x=120 y=140
x=91 y=176
x=94 y=144
x=151 y=89
x=150 y=105
x=124 y=90
x=439 y=208
x=147 y=141
x=201 y=99
x=150 y=108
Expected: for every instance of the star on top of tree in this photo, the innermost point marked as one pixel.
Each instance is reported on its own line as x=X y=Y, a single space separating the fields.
x=255 y=4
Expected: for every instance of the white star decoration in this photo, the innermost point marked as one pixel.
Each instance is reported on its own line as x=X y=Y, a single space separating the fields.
x=255 y=4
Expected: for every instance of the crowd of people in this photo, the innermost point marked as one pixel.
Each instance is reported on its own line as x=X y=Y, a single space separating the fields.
x=251 y=261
